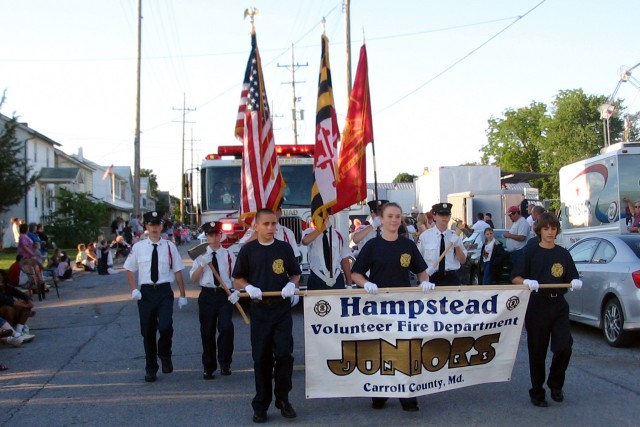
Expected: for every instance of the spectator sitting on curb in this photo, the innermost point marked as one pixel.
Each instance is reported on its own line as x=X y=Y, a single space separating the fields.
x=82 y=260
x=63 y=268
x=9 y=336
x=15 y=307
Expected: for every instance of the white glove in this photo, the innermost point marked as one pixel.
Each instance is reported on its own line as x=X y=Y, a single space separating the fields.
x=295 y=300
x=289 y=290
x=376 y=222
x=182 y=301
x=427 y=286
x=532 y=284
x=254 y=293
x=136 y=295
x=234 y=297
x=576 y=284
x=431 y=271
x=371 y=288
x=455 y=240
x=204 y=260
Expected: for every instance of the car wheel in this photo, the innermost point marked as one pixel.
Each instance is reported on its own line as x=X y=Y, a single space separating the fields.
x=613 y=323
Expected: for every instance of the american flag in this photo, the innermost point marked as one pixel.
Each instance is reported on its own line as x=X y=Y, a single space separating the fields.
x=262 y=182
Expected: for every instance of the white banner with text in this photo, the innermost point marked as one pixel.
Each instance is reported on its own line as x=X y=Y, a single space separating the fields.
x=403 y=344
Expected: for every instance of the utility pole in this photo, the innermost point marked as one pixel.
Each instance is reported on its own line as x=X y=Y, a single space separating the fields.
x=294 y=112
x=136 y=141
x=192 y=186
x=184 y=110
x=347 y=14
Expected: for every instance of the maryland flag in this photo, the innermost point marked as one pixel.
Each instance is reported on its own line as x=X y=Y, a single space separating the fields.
x=261 y=180
x=323 y=192
x=358 y=132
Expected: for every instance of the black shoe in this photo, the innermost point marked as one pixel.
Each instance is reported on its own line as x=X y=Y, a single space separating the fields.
x=167 y=366
x=539 y=403
x=150 y=377
x=208 y=375
x=260 y=417
x=286 y=410
x=412 y=407
x=557 y=394
x=378 y=404
x=225 y=371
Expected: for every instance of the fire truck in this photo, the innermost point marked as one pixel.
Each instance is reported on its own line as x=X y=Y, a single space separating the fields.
x=220 y=191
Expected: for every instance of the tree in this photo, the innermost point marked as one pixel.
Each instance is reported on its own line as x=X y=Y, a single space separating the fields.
x=404 y=177
x=153 y=181
x=77 y=219
x=15 y=172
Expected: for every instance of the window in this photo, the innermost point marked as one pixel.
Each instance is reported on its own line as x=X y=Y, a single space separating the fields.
x=583 y=251
x=605 y=253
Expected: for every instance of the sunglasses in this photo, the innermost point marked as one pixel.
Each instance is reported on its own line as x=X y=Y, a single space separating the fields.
x=637 y=207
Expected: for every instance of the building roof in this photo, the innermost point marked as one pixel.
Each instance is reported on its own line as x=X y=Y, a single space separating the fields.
x=392 y=186
x=507 y=177
x=58 y=175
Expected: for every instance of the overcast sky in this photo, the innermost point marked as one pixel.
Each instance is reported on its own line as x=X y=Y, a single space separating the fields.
x=438 y=70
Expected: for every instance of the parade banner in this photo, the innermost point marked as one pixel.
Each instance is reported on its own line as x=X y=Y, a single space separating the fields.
x=404 y=344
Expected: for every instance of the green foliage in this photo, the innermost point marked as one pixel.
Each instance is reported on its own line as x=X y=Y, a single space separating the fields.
x=15 y=173
x=404 y=177
x=153 y=181
x=77 y=219
x=538 y=139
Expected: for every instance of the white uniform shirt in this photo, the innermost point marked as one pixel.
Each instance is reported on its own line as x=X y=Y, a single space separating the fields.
x=169 y=261
x=520 y=228
x=429 y=246
x=339 y=252
x=226 y=261
x=373 y=233
x=282 y=233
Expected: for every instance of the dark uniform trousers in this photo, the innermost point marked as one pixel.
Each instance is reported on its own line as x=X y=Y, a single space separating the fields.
x=156 y=315
x=449 y=278
x=315 y=283
x=215 y=312
x=547 y=319
x=271 y=348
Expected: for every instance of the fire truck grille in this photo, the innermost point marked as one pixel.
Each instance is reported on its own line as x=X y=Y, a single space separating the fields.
x=294 y=224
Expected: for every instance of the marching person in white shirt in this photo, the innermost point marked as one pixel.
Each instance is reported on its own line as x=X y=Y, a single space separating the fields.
x=437 y=240
x=284 y=234
x=158 y=263
x=364 y=233
x=215 y=308
x=327 y=254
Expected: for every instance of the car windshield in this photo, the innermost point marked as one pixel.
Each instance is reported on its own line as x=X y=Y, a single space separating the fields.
x=633 y=242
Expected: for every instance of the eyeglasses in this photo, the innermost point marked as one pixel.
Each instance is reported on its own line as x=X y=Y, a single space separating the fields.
x=637 y=207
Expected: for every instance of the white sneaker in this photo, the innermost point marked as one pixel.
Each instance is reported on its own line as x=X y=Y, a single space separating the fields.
x=27 y=337
x=25 y=330
x=14 y=341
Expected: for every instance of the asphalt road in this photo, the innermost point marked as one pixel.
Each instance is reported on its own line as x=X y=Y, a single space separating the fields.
x=86 y=368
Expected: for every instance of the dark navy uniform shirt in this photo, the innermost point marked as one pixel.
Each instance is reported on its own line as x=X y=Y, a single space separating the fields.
x=267 y=267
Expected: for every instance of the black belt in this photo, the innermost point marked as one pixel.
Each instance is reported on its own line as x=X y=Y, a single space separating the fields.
x=269 y=300
x=548 y=294
x=156 y=285
x=212 y=290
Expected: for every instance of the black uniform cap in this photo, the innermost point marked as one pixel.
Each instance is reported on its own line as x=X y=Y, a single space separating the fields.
x=441 y=208
x=153 y=218
x=375 y=205
x=211 y=227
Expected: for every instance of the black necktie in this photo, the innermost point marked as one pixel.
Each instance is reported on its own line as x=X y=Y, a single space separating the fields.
x=214 y=261
x=441 y=266
x=154 y=263
x=326 y=250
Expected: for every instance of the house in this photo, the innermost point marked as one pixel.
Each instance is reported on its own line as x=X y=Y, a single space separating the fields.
x=39 y=151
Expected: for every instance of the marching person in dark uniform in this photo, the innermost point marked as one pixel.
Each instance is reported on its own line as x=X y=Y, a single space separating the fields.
x=157 y=262
x=267 y=264
x=547 y=317
x=386 y=260
x=434 y=241
x=215 y=308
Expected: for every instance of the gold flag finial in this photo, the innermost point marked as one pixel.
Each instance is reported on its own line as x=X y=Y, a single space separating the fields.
x=251 y=12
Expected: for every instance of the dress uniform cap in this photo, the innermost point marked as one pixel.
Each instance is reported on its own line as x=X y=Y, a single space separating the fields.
x=375 y=205
x=153 y=218
x=441 y=208
x=211 y=227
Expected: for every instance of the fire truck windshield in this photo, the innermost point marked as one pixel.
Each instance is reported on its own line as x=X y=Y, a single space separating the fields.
x=221 y=186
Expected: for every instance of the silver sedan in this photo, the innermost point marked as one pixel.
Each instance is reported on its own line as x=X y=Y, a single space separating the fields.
x=609 y=267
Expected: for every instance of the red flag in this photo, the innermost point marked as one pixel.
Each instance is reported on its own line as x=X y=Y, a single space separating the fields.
x=108 y=172
x=262 y=182
x=358 y=132
x=323 y=192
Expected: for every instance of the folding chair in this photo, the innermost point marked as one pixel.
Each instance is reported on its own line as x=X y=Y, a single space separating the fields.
x=30 y=267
